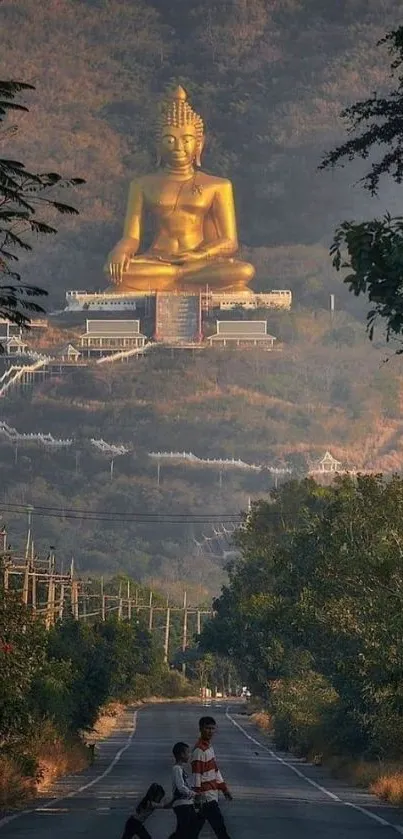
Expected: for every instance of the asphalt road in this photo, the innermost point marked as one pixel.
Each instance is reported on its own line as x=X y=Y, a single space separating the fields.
x=275 y=795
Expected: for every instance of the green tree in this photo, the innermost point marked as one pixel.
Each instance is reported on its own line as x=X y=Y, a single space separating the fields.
x=22 y=654
x=83 y=660
x=318 y=590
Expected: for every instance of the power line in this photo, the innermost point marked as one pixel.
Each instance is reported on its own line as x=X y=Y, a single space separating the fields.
x=142 y=514
x=120 y=518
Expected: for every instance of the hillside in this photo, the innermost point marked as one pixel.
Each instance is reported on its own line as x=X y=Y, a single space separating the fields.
x=270 y=78
x=324 y=388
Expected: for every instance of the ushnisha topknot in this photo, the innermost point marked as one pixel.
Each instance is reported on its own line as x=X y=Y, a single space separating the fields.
x=175 y=110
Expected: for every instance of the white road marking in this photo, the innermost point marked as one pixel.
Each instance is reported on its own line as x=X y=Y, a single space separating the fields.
x=396 y=827
x=7 y=819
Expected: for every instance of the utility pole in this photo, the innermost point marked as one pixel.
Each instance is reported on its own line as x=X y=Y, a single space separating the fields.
x=33 y=593
x=61 y=603
x=167 y=628
x=84 y=599
x=120 y=608
x=50 y=607
x=103 y=615
x=51 y=560
x=5 y=568
x=6 y=576
x=332 y=299
x=25 y=587
x=29 y=532
x=150 y=617
x=185 y=630
x=74 y=599
x=129 y=602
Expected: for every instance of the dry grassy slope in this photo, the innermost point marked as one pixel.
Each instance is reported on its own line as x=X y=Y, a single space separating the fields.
x=317 y=392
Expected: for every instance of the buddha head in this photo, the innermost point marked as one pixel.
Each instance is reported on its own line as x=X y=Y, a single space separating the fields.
x=180 y=132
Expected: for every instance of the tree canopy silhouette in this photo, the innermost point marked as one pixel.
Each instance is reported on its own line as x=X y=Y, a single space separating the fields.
x=372 y=251
x=22 y=194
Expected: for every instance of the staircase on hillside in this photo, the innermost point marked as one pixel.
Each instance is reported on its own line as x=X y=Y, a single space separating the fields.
x=178 y=318
x=22 y=375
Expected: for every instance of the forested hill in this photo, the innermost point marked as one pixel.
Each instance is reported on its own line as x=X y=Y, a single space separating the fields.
x=324 y=388
x=270 y=78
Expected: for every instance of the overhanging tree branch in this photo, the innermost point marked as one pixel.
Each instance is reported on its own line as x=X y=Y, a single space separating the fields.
x=381 y=118
x=22 y=194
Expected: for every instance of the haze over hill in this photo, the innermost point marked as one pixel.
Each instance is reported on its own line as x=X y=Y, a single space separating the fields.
x=324 y=388
x=269 y=77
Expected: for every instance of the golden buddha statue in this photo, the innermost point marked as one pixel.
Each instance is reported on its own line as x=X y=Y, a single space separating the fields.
x=193 y=213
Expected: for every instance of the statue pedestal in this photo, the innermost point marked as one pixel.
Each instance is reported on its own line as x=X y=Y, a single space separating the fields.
x=113 y=302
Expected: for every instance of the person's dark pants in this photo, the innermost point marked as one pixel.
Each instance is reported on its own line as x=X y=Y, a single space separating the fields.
x=188 y=823
x=211 y=813
x=133 y=827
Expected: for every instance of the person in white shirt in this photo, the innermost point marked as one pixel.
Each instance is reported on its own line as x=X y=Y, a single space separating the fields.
x=183 y=796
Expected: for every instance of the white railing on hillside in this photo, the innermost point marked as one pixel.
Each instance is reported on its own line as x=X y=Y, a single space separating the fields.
x=220 y=463
x=109 y=448
x=230 y=463
x=37 y=356
x=14 y=436
x=45 y=439
x=118 y=356
x=14 y=375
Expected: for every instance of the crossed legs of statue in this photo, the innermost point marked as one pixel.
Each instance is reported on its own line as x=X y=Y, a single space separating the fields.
x=224 y=274
x=147 y=274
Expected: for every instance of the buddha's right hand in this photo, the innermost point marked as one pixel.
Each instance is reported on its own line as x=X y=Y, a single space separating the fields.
x=118 y=262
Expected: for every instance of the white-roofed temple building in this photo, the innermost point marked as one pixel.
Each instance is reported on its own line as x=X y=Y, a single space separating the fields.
x=104 y=337
x=242 y=333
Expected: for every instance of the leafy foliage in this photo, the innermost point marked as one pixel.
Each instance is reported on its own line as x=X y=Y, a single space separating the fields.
x=375 y=248
x=64 y=676
x=381 y=117
x=375 y=262
x=21 y=656
x=21 y=194
x=313 y=612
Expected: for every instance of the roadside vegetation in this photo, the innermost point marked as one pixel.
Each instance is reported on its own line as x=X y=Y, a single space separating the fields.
x=313 y=615
x=56 y=686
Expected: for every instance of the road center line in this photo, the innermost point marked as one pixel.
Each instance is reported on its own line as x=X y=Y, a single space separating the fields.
x=397 y=828
x=7 y=819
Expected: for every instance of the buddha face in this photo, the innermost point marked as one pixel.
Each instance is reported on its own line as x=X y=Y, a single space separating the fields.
x=181 y=146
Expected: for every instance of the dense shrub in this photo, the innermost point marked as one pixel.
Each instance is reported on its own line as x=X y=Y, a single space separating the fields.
x=54 y=684
x=313 y=614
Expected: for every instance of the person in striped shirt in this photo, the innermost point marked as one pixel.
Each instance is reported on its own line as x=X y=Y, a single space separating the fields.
x=207 y=779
